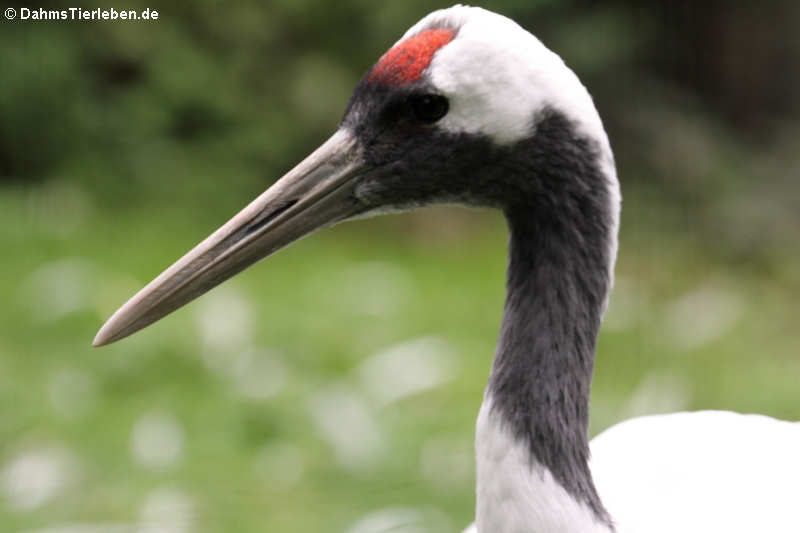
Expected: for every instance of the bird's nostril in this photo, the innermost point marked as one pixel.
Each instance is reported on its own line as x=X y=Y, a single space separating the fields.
x=266 y=219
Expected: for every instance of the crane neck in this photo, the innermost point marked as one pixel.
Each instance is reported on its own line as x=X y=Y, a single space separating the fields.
x=533 y=428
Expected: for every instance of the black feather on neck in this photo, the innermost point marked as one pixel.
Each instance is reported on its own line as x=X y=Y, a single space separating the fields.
x=561 y=237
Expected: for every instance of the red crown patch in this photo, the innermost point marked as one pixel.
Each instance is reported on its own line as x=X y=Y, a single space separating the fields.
x=405 y=62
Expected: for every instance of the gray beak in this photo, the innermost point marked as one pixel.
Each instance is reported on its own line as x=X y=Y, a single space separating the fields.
x=316 y=193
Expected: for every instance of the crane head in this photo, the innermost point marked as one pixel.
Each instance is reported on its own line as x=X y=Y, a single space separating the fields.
x=467 y=107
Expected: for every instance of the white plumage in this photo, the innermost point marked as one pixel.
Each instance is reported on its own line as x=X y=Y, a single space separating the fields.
x=700 y=472
x=693 y=472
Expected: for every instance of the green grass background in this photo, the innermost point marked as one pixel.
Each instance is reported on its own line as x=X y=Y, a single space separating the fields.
x=323 y=307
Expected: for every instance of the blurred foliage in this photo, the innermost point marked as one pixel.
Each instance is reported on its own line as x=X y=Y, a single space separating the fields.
x=122 y=144
x=166 y=109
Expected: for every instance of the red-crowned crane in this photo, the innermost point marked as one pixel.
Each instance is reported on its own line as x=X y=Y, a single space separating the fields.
x=470 y=108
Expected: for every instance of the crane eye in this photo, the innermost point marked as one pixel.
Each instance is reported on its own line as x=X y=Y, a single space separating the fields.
x=429 y=108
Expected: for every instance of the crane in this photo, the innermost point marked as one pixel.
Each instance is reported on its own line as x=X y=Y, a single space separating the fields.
x=470 y=108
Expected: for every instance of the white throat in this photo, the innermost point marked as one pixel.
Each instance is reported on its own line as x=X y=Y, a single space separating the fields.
x=517 y=494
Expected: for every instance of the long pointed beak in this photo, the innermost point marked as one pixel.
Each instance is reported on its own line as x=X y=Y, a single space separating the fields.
x=316 y=193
